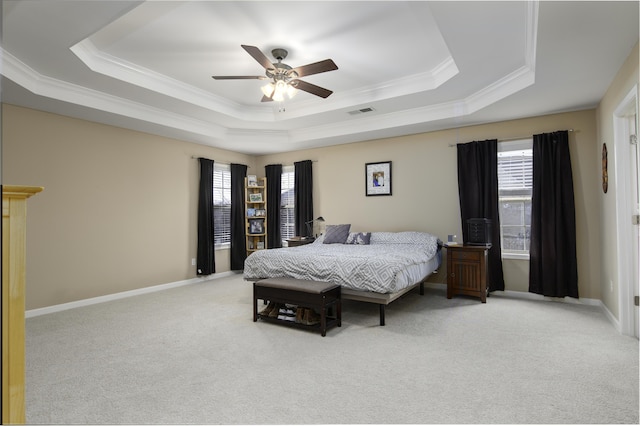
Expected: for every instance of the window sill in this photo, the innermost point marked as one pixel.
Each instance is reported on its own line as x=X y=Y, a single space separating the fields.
x=516 y=256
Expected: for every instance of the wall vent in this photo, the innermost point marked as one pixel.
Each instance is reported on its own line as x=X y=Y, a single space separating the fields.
x=361 y=111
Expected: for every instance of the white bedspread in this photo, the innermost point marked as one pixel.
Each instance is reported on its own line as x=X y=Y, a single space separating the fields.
x=378 y=267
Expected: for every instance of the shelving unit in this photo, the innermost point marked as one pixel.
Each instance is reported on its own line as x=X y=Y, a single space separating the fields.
x=14 y=237
x=255 y=196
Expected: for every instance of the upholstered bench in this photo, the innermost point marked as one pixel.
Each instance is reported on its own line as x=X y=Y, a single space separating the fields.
x=308 y=294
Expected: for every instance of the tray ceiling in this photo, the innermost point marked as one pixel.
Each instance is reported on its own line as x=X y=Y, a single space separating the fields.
x=404 y=67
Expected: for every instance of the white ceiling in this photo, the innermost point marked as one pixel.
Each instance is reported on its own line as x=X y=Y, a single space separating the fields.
x=420 y=65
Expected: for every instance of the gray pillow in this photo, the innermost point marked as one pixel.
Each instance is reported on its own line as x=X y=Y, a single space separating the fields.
x=361 y=238
x=336 y=234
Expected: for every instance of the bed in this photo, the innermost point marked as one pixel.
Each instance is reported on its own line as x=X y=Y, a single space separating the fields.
x=376 y=267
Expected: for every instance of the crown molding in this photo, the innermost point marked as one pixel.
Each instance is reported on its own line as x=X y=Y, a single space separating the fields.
x=506 y=86
x=239 y=138
x=64 y=91
x=42 y=85
x=120 y=69
x=531 y=35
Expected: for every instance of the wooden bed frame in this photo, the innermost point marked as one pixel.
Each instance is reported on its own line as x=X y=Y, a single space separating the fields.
x=382 y=299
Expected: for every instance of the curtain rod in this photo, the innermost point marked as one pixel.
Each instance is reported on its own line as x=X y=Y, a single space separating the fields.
x=291 y=165
x=197 y=157
x=509 y=139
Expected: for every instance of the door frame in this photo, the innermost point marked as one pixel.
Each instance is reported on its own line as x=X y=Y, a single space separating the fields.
x=624 y=227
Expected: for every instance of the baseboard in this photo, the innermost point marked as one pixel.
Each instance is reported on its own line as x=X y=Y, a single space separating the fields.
x=539 y=297
x=110 y=297
x=611 y=317
x=581 y=301
x=532 y=296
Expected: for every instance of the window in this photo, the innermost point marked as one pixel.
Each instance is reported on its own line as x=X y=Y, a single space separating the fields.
x=287 y=203
x=515 y=185
x=221 y=204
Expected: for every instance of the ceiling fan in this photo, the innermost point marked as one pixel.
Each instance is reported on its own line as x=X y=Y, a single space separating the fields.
x=283 y=78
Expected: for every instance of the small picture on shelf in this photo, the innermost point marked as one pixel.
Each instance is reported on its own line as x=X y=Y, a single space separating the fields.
x=260 y=245
x=252 y=180
x=260 y=212
x=255 y=198
x=256 y=226
x=251 y=213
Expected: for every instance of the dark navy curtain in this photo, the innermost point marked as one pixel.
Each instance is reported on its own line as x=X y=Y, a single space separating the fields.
x=478 y=191
x=553 y=266
x=238 y=243
x=303 y=195
x=273 y=172
x=206 y=263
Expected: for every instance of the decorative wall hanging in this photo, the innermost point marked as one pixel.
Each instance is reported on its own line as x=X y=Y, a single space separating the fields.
x=378 y=178
x=605 y=165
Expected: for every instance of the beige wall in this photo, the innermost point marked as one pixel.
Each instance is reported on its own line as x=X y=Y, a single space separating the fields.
x=425 y=186
x=119 y=207
x=626 y=80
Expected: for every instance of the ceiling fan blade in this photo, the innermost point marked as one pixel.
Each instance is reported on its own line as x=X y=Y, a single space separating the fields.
x=266 y=99
x=315 y=68
x=238 y=77
x=312 y=88
x=258 y=56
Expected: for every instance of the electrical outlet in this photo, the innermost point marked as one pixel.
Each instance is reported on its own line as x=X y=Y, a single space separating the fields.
x=193 y=262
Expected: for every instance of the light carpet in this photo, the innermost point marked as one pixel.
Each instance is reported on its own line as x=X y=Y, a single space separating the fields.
x=193 y=355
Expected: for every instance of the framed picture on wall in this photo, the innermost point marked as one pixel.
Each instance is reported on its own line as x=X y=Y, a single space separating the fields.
x=378 y=178
x=605 y=166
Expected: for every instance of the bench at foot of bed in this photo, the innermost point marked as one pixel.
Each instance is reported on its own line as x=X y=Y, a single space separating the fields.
x=308 y=294
x=382 y=299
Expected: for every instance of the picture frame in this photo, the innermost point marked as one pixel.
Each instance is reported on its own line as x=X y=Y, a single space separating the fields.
x=260 y=212
x=255 y=198
x=260 y=245
x=256 y=226
x=252 y=180
x=378 y=178
x=605 y=167
x=251 y=212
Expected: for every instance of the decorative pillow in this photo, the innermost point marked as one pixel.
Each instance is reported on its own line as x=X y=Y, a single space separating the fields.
x=336 y=234
x=404 y=237
x=361 y=238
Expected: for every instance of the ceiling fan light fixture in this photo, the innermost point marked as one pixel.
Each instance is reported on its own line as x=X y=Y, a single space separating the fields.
x=291 y=91
x=268 y=89
x=283 y=79
x=280 y=90
x=278 y=96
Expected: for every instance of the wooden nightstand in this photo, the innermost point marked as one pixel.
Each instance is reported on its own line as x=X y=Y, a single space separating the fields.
x=467 y=270
x=299 y=241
